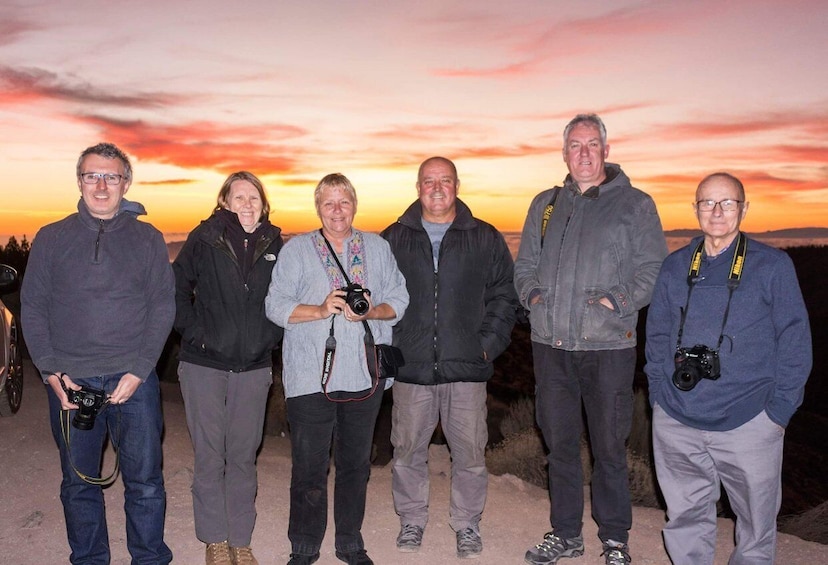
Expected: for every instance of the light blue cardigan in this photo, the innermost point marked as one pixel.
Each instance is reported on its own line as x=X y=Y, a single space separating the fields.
x=299 y=278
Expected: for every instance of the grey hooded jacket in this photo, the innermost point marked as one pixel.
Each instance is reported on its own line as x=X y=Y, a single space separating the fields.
x=605 y=242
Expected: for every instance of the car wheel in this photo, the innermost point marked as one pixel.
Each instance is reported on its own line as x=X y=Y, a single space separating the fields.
x=11 y=394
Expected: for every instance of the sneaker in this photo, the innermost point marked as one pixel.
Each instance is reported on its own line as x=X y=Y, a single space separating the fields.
x=410 y=538
x=218 y=554
x=358 y=557
x=553 y=548
x=469 y=544
x=243 y=556
x=616 y=553
x=297 y=559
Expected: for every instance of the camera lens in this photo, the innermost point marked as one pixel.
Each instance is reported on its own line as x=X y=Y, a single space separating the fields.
x=685 y=380
x=359 y=305
x=84 y=419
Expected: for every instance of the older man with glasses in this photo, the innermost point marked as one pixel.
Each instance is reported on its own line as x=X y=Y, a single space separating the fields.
x=728 y=353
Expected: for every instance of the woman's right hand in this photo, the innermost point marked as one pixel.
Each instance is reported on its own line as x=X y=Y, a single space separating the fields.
x=334 y=303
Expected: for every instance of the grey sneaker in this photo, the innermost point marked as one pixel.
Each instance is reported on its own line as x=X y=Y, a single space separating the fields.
x=469 y=544
x=553 y=548
x=410 y=538
x=616 y=553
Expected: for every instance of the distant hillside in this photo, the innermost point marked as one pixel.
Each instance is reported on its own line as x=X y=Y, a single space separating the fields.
x=790 y=233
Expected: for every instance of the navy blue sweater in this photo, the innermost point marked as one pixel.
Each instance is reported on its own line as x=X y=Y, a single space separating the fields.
x=766 y=353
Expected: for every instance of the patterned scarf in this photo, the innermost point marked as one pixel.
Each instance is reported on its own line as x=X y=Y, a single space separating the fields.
x=354 y=259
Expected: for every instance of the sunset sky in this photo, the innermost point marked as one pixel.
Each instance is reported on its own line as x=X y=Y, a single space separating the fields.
x=293 y=90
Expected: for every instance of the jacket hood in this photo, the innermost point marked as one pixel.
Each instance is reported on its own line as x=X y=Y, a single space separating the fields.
x=615 y=177
x=413 y=216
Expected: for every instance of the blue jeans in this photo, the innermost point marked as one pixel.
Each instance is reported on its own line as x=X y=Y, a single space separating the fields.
x=601 y=381
x=315 y=424
x=136 y=428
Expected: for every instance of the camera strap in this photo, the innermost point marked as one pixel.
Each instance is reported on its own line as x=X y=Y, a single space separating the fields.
x=694 y=275
x=547 y=213
x=330 y=346
x=66 y=432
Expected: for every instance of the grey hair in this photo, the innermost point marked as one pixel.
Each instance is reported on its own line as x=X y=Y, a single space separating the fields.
x=592 y=119
x=107 y=151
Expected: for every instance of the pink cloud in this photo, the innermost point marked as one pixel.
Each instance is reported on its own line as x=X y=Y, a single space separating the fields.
x=206 y=145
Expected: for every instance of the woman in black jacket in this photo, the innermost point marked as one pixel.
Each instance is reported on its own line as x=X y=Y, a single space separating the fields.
x=222 y=275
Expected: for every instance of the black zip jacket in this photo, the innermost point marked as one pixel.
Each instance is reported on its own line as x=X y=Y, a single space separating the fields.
x=219 y=312
x=464 y=309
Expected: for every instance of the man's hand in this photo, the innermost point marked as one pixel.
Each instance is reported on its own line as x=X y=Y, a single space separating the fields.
x=607 y=303
x=127 y=386
x=54 y=382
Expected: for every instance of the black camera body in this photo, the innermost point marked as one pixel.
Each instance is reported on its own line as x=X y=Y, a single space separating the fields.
x=356 y=298
x=89 y=401
x=694 y=364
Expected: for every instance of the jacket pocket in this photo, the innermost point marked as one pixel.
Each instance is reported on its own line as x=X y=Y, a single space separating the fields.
x=600 y=324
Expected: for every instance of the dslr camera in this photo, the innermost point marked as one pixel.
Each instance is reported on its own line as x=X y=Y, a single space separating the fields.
x=356 y=298
x=89 y=401
x=694 y=364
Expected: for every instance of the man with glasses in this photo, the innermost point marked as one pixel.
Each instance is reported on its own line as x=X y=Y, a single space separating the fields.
x=97 y=306
x=589 y=255
x=728 y=353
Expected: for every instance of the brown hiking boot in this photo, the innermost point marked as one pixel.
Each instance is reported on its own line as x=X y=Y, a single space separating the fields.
x=243 y=556
x=218 y=554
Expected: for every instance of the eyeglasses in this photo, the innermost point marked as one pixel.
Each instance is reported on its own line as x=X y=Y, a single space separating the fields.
x=111 y=179
x=728 y=205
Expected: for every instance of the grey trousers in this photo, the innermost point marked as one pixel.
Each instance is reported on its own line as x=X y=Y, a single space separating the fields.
x=691 y=465
x=225 y=415
x=461 y=408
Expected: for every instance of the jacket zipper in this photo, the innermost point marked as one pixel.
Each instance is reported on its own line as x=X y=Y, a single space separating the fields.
x=98 y=239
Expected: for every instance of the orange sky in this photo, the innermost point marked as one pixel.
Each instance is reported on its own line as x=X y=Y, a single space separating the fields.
x=293 y=91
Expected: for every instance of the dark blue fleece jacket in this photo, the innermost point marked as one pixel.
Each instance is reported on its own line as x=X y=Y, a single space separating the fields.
x=766 y=353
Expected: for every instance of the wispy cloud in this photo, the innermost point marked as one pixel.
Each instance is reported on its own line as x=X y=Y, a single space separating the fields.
x=27 y=85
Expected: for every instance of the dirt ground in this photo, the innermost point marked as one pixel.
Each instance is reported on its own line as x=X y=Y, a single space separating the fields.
x=516 y=516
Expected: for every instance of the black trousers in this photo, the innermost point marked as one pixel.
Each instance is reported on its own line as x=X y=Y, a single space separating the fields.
x=317 y=424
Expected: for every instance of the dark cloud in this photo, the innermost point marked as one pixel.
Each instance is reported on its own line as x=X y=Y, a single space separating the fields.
x=27 y=85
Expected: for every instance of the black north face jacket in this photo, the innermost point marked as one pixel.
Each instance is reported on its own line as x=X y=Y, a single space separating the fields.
x=465 y=308
x=220 y=313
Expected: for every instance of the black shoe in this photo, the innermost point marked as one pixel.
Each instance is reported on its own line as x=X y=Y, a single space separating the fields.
x=358 y=557
x=296 y=559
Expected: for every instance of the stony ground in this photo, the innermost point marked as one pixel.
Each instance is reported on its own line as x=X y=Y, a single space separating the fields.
x=31 y=521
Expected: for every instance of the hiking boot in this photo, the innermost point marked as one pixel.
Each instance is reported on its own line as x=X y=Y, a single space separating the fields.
x=243 y=556
x=410 y=538
x=297 y=559
x=553 y=548
x=358 y=557
x=469 y=544
x=218 y=554
x=616 y=553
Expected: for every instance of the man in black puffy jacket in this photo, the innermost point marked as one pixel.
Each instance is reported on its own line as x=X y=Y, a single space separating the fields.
x=458 y=271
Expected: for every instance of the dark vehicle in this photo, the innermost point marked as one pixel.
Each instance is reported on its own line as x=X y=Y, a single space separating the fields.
x=11 y=358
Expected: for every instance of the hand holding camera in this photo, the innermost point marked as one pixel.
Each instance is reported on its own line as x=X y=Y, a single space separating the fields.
x=89 y=402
